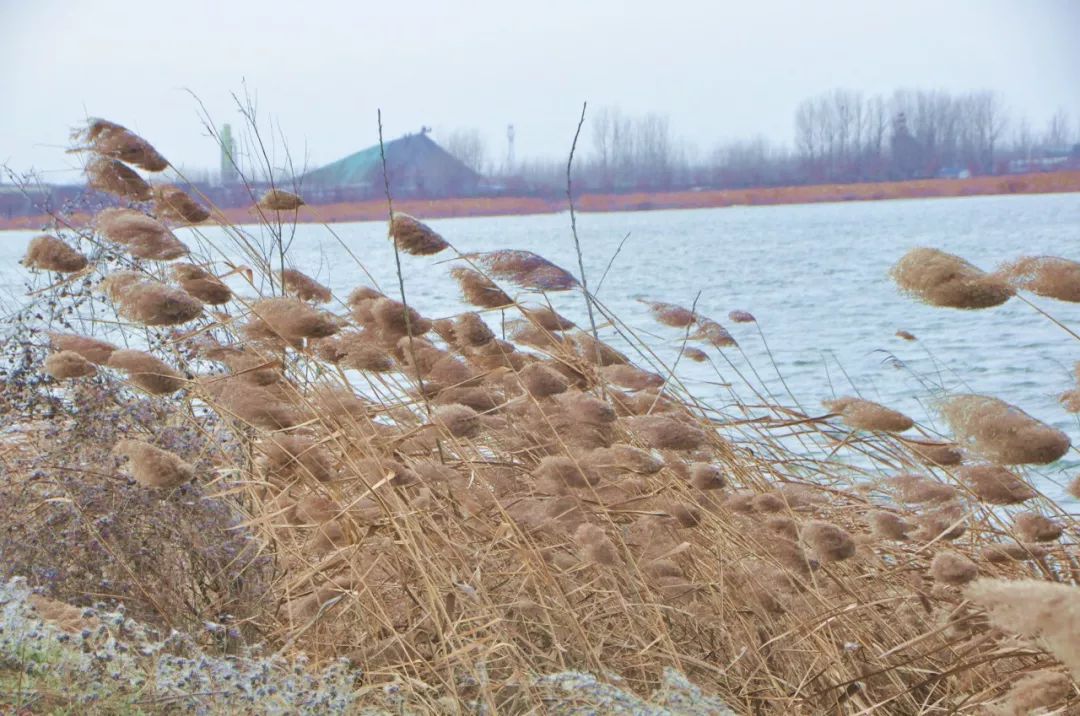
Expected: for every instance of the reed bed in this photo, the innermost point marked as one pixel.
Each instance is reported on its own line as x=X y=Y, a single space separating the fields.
x=459 y=509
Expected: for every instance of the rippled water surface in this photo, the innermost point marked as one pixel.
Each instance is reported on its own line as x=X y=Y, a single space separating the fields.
x=815 y=276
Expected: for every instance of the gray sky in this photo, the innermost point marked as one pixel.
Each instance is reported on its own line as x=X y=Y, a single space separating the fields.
x=320 y=68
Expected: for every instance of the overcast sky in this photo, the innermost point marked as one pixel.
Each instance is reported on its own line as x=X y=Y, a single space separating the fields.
x=718 y=69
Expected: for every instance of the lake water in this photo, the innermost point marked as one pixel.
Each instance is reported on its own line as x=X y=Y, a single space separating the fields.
x=815 y=277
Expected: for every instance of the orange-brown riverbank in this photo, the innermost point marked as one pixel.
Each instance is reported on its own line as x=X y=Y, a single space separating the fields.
x=1042 y=183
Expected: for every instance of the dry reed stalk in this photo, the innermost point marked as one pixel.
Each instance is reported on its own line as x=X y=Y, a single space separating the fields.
x=295 y=457
x=114 y=141
x=945 y=280
x=527 y=270
x=48 y=253
x=68 y=364
x=153 y=467
x=113 y=177
x=280 y=200
x=868 y=415
x=251 y=404
x=92 y=349
x=1001 y=432
x=176 y=205
x=478 y=290
x=201 y=284
x=1046 y=612
x=1049 y=276
x=304 y=287
x=953 y=569
x=414 y=236
x=146 y=371
x=156 y=304
x=143 y=236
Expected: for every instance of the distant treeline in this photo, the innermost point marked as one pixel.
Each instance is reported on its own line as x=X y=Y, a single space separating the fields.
x=839 y=136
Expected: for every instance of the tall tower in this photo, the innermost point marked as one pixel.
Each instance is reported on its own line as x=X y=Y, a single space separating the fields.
x=230 y=170
x=509 y=148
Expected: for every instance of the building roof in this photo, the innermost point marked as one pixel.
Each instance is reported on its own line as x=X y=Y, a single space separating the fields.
x=415 y=163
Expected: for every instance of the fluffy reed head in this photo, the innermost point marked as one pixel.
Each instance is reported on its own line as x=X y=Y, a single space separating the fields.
x=995 y=484
x=1035 y=693
x=670 y=314
x=541 y=381
x=936 y=454
x=113 y=177
x=527 y=270
x=945 y=280
x=741 y=317
x=304 y=287
x=458 y=420
x=201 y=284
x=478 y=290
x=1001 y=432
x=889 y=525
x=153 y=467
x=470 y=330
x=953 y=568
x=280 y=200
x=114 y=141
x=147 y=372
x=868 y=415
x=565 y=471
x=1034 y=527
x=595 y=545
x=156 y=304
x=706 y=476
x=414 y=236
x=295 y=457
x=289 y=319
x=142 y=236
x=1048 y=276
x=1045 y=611
x=714 y=334
x=48 y=253
x=91 y=349
x=68 y=364
x=906 y=335
x=695 y=354
x=547 y=318
x=829 y=542
x=174 y=204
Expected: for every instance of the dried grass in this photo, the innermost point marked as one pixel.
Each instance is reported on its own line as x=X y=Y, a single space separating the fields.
x=1049 y=276
x=995 y=484
x=1046 y=612
x=146 y=371
x=153 y=467
x=414 y=236
x=945 y=280
x=68 y=364
x=868 y=415
x=113 y=177
x=48 y=253
x=1003 y=433
x=176 y=205
x=304 y=287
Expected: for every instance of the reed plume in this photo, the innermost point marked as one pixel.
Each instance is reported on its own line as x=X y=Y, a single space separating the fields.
x=829 y=542
x=1049 y=276
x=142 y=236
x=868 y=415
x=541 y=381
x=889 y=525
x=458 y=420
x=153 y=467
x=945 y=280
x=936 y=454
x=1035 y=693
x=741 y=317
x=1012 y=552
x=147 y=372
x=671 y=314
x=527 y=270
x=48 y=253
x=1001 y=432
x=304 y=287
x=547 y=318
x=176 y=205
x=414 y=236
x=1034 y=527
x=290 y=319
x=595 y=545
x=478 y=290
x=1044 y=611
x=68 y=364
x=114 y=141
x=280 y=200
x=470 y=330
x=705 y=476
x=293 y=457
x=695 y=354
x=156 y=304
x=92 y=349
x=201 y=284
x=113 y=177
x=995 y=484
x=714 y=334
x=953 y=569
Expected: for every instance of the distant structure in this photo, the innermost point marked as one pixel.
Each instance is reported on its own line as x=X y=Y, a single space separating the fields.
x=230 y=170
x=509 y=148
x=416 y=165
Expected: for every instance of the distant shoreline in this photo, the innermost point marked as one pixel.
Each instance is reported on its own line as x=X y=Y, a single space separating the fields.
x=375 y=209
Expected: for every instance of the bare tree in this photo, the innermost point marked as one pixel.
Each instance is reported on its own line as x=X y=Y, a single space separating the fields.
x=469 y=147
